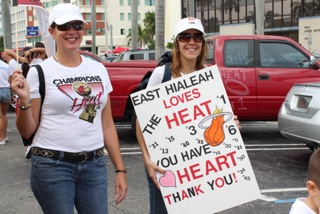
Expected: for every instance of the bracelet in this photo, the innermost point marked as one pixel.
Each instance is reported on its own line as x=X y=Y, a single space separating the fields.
x=119 y=170
x=25 y=107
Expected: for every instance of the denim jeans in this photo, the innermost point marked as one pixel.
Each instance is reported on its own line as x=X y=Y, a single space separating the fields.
x=5 y=95
x=157 y=205
x=59 y=185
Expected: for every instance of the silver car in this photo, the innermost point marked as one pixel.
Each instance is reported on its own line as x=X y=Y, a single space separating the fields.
x=299 y=115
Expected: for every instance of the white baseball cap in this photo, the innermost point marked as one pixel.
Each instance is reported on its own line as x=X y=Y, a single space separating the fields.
x=65 y=12
x=188 y=23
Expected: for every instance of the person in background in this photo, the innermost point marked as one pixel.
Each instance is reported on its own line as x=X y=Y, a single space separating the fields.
x=5 y=99
x=188 y=55
x=11 y=58
x=68 y=166
x=36 y=54
x=311 y=204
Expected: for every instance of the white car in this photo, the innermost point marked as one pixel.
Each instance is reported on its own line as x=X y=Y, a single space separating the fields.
x=299 y=115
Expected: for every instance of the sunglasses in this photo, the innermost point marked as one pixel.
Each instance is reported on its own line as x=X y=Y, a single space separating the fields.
x=67 y=26
x=186 y=37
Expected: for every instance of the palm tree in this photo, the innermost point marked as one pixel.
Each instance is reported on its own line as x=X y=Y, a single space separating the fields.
x=250 y=17
x=228 y=5
x=306 y=9
x=149 y=23
x=269 y=18
x=159 y=28
x=142 y=37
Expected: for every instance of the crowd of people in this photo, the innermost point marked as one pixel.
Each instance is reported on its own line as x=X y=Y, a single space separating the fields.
x=11 y=61
x=59 y=187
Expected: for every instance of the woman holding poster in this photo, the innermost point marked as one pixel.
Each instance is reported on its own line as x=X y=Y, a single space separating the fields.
x=188 y=55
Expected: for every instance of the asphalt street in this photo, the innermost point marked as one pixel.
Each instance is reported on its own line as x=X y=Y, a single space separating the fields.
x=280 y=167
x=16 y=196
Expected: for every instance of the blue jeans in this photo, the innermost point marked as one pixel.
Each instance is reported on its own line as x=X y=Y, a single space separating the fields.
x=59 y=185
x=5 y=95
x=157 y=205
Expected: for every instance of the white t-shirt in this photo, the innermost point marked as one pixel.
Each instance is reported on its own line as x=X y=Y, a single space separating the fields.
x=13 y=65
x=36 y=61
x=300 y=207
x=157 y=76
x=4 y=76
x=71 y=112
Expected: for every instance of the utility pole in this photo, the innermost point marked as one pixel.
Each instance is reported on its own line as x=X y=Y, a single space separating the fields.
x=106 y=27
x=134 y=24
x=93 y=25
x=6 y=24
x=259 y=17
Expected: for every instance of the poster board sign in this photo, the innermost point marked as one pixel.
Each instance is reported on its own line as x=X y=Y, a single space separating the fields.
x=188 y=127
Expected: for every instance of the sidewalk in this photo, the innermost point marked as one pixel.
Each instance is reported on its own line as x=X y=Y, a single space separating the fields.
x=16 y=196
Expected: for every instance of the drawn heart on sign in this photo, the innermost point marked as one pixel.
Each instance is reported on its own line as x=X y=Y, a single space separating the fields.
x=168 y=179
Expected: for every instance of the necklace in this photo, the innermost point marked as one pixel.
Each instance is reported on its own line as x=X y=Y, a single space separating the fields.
x=56 y=58
x=184 y=73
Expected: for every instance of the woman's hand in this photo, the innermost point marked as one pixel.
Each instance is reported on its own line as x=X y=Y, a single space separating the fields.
x=121 y=187
x=152 y=169
x=235 y=118
x=20 y=86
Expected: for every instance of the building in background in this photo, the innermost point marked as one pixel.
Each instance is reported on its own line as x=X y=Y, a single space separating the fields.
x=117 y=13
x=296 y=19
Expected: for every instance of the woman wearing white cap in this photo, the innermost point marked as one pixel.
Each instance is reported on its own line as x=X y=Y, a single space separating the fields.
x=188 y=55
x=68 y=167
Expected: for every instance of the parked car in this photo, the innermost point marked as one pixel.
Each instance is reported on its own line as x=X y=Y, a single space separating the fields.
x=144 y=54
x=92 y=56
x=110 y=58
x=299 y=115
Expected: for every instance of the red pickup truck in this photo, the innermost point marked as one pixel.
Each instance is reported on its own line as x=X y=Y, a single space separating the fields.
x=257 y=71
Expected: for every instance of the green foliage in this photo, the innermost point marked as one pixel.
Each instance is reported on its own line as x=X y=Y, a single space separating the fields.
x=169 y=45
x=146 y=35
x=150 y=29
x=1 y=44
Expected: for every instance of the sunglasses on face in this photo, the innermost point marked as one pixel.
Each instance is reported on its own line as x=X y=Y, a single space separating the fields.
x=67 y=26
x=186 y=37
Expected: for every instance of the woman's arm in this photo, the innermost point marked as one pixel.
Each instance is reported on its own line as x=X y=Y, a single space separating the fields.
x=14 y=55
x=111 y=142
x=27 y=120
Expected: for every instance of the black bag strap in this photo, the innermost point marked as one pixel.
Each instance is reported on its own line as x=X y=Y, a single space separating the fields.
x=42 y=86
x=167 y=72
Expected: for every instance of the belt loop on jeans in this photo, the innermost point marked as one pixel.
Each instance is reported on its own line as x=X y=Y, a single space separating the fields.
x=61 y=154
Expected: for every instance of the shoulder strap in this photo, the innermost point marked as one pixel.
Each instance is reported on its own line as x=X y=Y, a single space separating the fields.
x=42 y=85
x=167 y=72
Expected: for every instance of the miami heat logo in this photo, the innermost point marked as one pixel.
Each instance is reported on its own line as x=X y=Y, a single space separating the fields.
x=84 y=90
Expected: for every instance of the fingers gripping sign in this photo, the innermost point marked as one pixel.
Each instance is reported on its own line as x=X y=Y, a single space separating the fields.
x=20 y=85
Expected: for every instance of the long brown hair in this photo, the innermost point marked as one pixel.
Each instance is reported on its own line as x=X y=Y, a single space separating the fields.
x=176 y=61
